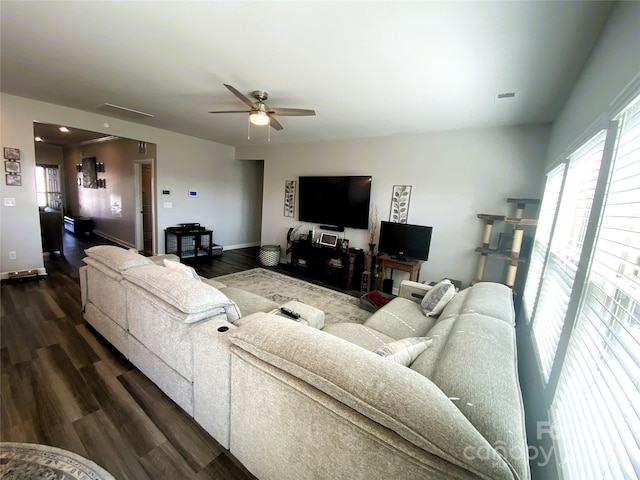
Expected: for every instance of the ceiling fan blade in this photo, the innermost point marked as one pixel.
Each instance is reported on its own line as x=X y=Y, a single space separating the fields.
x=240 y=96
x=274 y=123
x=292 y=112
x=232 y=111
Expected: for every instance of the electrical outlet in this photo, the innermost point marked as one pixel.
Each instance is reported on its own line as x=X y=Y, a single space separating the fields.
x=12 y=255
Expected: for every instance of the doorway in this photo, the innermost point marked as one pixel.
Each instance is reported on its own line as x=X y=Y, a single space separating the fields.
x=145 y=206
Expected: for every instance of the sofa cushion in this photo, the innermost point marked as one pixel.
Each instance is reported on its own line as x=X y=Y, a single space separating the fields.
x=358 y=334
x=400 y=318
x=437 y=298
x=248 y=302
x=486 y=298
x=481 y=350
x=186 y=294
x=388 y=394
x=181 y=268
x=117 y=258
x=214 y=283
x=404 y=351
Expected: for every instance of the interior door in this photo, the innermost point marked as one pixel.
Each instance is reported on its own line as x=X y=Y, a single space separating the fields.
x=145 y=208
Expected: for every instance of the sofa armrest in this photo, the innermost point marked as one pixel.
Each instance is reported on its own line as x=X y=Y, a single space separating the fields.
x=413 y=290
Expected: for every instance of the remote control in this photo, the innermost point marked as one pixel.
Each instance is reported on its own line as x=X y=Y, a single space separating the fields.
x=290 y=313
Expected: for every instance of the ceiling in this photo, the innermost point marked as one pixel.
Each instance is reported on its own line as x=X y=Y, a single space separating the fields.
x=367 y=68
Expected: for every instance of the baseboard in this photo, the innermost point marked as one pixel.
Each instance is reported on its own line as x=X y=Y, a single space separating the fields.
x=115 y=240
x=241 y=245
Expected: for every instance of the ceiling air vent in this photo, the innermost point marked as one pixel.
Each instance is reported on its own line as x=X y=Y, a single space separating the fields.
x=505 y=96
x=122 y=111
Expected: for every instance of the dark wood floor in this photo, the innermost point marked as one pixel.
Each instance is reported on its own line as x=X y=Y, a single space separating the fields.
x=63 y=385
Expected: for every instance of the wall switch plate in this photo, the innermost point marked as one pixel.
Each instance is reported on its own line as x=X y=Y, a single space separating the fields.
x=13 y=255
x=167 y=205
x=9 y=202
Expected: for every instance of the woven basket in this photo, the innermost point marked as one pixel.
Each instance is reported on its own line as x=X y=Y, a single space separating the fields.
x=269 y=255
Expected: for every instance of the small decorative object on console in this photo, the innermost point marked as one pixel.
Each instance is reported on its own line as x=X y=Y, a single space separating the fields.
x=328 y=239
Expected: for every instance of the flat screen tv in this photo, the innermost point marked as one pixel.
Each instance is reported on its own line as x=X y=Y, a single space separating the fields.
x=405 y=241
x=341 y=201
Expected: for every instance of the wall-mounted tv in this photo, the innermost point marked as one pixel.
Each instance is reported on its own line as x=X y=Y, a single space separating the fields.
x=405 y=241
x=341 y=201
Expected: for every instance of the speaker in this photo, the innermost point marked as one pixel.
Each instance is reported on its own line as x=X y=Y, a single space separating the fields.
x=387 y=285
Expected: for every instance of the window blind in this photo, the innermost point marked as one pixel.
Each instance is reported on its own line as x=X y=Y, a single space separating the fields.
x=596 y=408
x=548 y=209
x=565 y=249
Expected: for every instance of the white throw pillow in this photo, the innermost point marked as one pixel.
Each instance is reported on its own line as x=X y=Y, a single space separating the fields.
x=404 y=351
x=181 y=268
x=437 y=298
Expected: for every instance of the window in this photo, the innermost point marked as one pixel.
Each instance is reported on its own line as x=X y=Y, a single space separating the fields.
x=565 y=249
x=548 y=210
x=582 y=301
x=599 y=380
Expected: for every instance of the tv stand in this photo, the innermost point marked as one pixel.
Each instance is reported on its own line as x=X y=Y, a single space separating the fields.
x=394 y=263
x=335 y=266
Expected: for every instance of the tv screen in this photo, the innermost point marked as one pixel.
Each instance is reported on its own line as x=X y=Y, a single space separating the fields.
x=405 y=241
x=336 y=201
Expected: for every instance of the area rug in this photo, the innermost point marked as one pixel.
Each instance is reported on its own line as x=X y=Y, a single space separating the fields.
x=337 y=306
x=34 y=461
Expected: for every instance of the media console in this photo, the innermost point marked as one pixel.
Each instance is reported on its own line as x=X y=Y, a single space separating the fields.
x=338 y=267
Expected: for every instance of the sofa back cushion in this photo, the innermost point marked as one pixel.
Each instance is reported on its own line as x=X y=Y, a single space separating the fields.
x=484 y=298
x=188 y=295
x=117 y=258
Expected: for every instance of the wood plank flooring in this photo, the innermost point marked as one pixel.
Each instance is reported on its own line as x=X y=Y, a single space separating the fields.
x=61 y=384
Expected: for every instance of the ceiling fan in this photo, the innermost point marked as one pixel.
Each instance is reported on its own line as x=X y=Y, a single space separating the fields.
x=260 y=113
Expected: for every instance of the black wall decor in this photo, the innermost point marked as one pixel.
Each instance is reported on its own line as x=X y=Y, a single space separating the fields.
x=89 y=179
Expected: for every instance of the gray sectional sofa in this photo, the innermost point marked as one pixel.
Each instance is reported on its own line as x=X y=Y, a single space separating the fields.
x=295 y=402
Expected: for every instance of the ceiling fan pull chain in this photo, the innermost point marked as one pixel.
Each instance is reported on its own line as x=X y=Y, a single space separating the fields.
x=248 y=128
x=269 y=133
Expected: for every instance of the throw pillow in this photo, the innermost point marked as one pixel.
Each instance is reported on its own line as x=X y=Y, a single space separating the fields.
x=404 y=351
x=437 y=298
x=181 y=268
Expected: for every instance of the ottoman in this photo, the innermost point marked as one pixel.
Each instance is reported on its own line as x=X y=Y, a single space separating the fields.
x=308 y=315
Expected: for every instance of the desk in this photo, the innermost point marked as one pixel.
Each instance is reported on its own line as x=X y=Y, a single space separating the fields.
x=412 y=266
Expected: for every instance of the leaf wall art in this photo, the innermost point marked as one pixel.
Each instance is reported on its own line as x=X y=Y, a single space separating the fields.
x=289 y=197
x=400 y=203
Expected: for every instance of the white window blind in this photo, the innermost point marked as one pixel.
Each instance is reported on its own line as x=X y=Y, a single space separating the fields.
x=548 y=209
x=596 y=408
x=565 y=249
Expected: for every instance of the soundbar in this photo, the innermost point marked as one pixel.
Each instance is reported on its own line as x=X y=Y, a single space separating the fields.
x=332 y=228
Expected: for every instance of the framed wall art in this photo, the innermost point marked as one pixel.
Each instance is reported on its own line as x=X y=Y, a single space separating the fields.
x=400 y=203
x=11 y=153
x=11 y=166
x=13 y=179
x=89 y=178
x=289 y=197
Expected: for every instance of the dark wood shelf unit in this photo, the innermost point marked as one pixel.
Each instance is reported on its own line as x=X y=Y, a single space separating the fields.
x=342 y=268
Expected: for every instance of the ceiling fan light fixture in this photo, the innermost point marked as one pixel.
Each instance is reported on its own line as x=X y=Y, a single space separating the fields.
x=259 y=118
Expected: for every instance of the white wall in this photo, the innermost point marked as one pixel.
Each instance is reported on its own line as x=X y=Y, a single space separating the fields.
x=612 y=66
x=183 y=163
x=455 y=175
